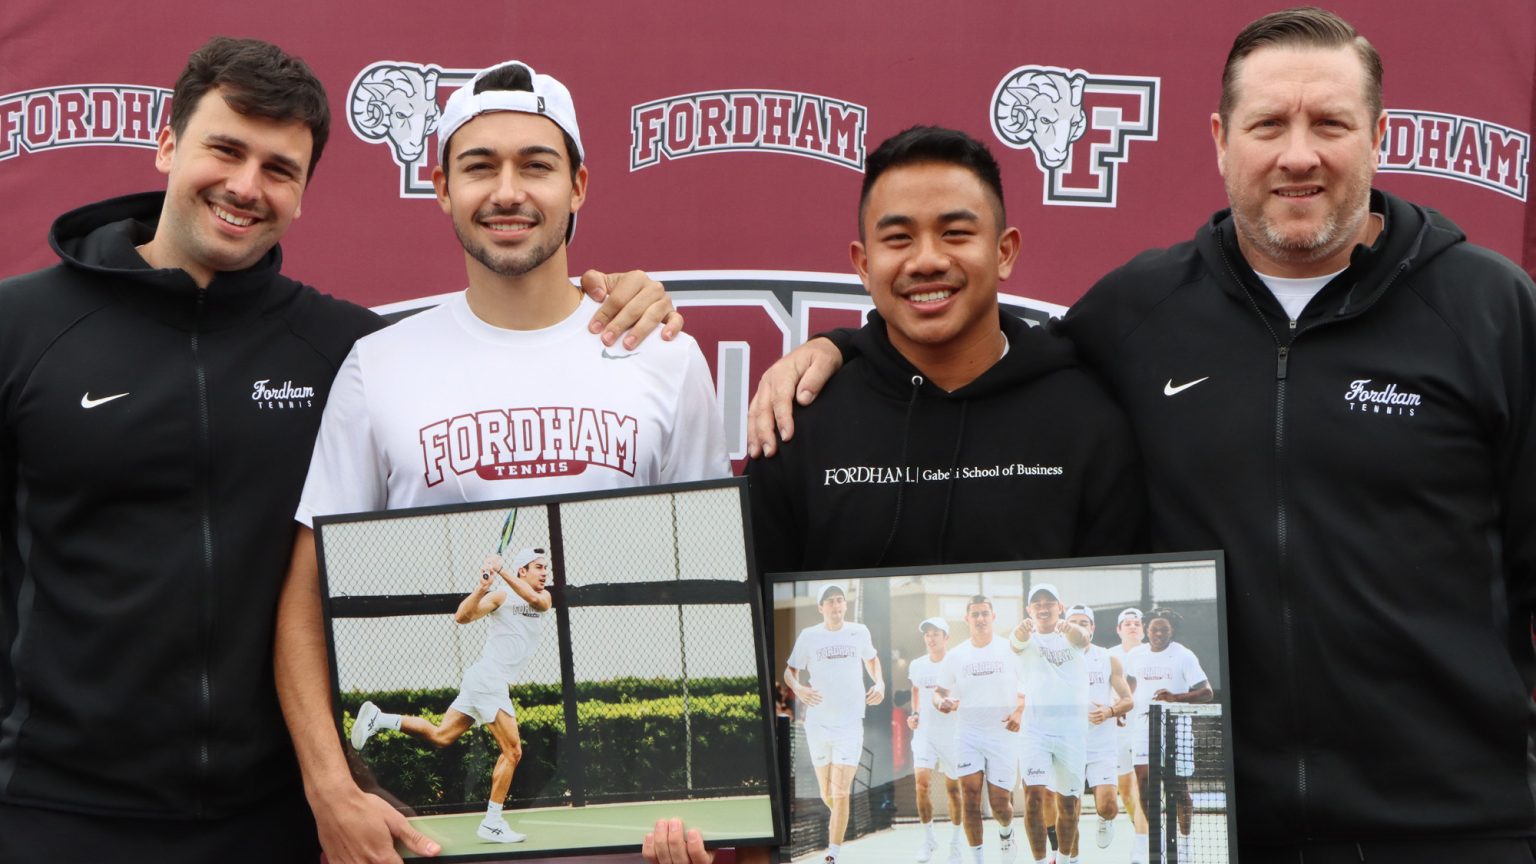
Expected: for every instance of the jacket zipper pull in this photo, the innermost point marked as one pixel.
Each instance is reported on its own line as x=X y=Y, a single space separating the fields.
x=1285 y=353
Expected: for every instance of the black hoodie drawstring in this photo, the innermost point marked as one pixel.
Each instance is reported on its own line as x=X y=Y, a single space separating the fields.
x=906 y=438
x=949 y=491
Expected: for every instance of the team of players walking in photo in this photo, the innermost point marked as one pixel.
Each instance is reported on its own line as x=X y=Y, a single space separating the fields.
x=1041 y=705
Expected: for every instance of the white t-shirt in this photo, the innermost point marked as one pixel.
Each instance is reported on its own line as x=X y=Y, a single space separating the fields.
x=932 y=722
x=1175 y=669
x=443 y=408
x=514 y=634
x=1055 y=685
x=986 y=680
x=835 y=660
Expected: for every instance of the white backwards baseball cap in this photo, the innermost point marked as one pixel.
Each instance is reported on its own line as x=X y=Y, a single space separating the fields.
x=936 y=623
x=1127 y=614
x=526 y=556
x=1081 y=609
x=549 y=98
x=828 y=589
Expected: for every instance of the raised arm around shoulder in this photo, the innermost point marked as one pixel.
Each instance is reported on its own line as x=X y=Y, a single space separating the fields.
x=632 y=302
x=796 y=377
x=355 y=827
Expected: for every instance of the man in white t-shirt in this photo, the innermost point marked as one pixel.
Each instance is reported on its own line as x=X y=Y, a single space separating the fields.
x=1128 y=628
x=980 y=683
x=933 y=738
x=1165 y=671
x=499 y=392
x=1056 y=716
x=1109 y=700
x=835 y=654
x=516 y=617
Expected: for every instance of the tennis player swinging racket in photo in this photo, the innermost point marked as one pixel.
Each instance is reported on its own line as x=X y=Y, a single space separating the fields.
x=516 y=614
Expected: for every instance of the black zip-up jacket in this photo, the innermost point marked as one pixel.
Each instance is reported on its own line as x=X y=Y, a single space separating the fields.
x=1370 y=470
x=153 y=441
x=1030 y=460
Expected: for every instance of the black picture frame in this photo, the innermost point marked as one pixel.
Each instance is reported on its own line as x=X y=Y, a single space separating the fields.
x=648 y=579
x=892 y=602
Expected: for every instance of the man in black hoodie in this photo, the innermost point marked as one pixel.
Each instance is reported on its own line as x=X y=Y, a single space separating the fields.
x=958 y=434
x=1333 y=385
x=160 y=389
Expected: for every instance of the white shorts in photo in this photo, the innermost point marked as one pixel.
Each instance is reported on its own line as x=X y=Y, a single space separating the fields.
x=1100 y=772
x=841 y=744
x=482 y=695
x=1055 y=762
x=996 y=753
x=928 y=753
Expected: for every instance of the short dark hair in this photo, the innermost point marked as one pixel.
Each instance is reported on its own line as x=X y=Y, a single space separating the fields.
x=1173 y=618
x=257 y=79
x=977 y=599
x=921 y=144
x=1301 y=27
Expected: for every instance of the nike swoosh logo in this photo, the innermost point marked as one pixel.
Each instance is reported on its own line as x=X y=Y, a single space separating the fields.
x=87 y=402
x=1170 y=390
x=607 y=356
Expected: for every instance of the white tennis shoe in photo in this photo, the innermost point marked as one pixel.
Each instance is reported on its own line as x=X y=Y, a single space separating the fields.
x=365 y=725
x=1105 y=834
x=498 y=831
x=1009 y=850
x=925 y=851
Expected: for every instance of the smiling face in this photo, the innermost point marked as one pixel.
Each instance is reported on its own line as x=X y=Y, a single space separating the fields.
x=509 y=191
x=932 y=256
x=1298 y=155
x=935 y=640
x=234 y=185
x=1046 y=610
x=1159 y=633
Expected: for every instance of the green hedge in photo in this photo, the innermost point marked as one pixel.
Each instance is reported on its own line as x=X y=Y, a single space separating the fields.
x=634 y=743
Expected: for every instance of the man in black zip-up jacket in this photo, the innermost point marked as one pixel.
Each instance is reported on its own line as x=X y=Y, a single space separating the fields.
x=1367 y=459
x=160 y=388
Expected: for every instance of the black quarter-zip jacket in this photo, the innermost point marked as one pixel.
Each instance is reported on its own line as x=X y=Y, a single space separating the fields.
x=1370 y=470
x=1030 y=460
x=153 y=441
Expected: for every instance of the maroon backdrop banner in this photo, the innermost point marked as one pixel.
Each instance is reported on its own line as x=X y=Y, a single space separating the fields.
x=726 y=142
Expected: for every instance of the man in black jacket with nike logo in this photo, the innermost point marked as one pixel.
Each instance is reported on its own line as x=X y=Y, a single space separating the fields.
x=1331 y=384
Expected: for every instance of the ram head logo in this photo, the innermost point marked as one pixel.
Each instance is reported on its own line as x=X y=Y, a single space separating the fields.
x=396 y=102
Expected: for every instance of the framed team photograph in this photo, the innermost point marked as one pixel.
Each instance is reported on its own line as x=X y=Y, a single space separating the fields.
x=546 y=677
x=1069 y=709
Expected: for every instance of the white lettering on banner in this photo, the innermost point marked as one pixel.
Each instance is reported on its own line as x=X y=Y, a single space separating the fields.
x=1468 y=149
x=123 y=115
x=695 y=124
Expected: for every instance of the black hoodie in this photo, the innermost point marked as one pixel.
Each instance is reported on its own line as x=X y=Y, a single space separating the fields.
x=1370 y=470
x=153 y=440
x=1030 y=460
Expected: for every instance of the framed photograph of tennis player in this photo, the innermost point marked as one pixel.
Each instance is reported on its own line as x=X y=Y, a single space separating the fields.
x=548 y=677
x=1075 y=707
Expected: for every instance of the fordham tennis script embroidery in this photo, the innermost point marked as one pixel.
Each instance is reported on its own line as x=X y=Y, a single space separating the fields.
x=510 y=444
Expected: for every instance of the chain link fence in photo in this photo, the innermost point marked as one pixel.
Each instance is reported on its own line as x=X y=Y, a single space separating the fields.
x=645 y=684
